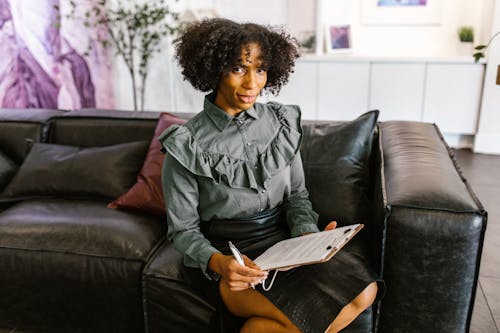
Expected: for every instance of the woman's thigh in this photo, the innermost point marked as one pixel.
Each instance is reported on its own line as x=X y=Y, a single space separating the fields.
x=250 y=303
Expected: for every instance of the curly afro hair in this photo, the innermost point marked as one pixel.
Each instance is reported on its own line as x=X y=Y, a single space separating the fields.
x=208 y=49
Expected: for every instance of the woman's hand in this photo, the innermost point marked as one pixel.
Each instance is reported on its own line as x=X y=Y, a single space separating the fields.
x=329 y=226
x=236 y=276
x=332 y=225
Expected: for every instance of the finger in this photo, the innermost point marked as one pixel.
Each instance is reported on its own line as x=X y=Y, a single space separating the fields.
x=250 y=263
x=242 y=283
x=246 y=271
x=332 y=225
x=235 y=277
x=240 y=286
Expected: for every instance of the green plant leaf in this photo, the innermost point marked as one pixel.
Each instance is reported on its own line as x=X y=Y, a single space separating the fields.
x=478 y=56
x=480 y=47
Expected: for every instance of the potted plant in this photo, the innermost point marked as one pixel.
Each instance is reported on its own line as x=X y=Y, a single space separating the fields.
x=466 y=37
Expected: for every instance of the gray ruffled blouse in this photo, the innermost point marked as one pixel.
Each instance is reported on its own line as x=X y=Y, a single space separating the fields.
x=218 y=167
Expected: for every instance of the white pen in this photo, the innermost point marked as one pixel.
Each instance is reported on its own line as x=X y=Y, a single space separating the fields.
x=239 y=258
x=236 y=254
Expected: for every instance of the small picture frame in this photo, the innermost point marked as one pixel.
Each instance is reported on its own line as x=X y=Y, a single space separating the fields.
x=338 y=38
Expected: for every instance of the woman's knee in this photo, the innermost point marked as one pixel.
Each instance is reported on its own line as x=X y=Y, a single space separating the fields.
x=366 y=297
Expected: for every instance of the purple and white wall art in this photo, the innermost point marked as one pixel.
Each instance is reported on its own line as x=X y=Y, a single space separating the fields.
x=382 y=3
x=41 y=59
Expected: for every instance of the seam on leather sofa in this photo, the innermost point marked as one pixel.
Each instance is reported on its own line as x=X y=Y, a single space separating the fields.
x=150 y=259
x=144 y=277
x=72 y=253
x=387 y=213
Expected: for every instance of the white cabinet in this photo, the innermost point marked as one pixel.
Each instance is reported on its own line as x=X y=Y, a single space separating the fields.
x=397 y=90
x=342 y=90
x=452 y=97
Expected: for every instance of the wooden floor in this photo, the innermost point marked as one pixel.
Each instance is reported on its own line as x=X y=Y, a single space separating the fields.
x=483 y=173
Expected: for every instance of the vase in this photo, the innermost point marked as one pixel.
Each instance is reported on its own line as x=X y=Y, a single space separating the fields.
x=465 y=48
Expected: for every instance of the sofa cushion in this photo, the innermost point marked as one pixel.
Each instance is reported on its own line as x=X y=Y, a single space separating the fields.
x=74 y=264
x=80 y=227
x=336 y=159
x=57 y=170
x=7 y=169
x=147 y=194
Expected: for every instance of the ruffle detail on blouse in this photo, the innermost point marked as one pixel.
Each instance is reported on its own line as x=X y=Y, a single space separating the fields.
x=178 y=141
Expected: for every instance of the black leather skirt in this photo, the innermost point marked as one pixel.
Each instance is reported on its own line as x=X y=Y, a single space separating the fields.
x=311 y=296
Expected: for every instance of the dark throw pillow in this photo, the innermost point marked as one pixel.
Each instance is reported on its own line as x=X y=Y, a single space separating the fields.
x=7 y=170
x=147 y=194
x=58 y=170
x=336 y=159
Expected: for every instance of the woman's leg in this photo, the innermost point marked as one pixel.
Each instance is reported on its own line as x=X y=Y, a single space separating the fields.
x=263 y=316
x=352 y=310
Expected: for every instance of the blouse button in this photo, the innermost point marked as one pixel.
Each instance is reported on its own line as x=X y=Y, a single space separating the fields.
x=249 y=143
x=263 y=191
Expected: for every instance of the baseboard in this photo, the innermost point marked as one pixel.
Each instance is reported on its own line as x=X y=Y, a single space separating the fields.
x=459 y=141
x=487 y=143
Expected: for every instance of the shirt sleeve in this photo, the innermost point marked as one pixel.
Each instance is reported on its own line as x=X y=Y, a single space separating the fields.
x=180 y=190
x=300 y=216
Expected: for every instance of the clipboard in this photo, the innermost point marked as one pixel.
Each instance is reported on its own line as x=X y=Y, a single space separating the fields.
x=306 y=250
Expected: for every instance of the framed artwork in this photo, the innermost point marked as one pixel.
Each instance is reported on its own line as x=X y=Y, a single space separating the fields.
x=401 y=12
x=338 y=38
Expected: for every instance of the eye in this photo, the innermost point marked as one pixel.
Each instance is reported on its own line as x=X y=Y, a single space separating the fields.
x=261 y=70
x=238 y=70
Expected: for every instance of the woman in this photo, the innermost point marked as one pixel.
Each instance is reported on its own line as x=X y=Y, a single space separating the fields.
x=234 y=172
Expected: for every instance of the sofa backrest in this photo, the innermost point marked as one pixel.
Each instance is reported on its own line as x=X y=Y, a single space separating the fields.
x=21 y=127
x=337 y=190
x=93 y=128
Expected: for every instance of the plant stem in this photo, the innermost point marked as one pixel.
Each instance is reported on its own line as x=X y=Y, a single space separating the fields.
x=143 y=90
x=491 y=39
x=132 y=69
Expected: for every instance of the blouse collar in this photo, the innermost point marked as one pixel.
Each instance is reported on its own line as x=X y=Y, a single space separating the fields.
x=220 y=117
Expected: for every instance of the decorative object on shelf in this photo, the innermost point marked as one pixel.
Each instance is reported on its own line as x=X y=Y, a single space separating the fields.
x=466 y=34
x=466 y=37
x=136 y=31
x=401 y=12
x=338 y=38
x=306 y=41
x=481 y=49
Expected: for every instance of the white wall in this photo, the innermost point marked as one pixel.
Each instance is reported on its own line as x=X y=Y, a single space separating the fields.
x=488 y=134
x=410 y=39
x=161 y=91
x=299 y=15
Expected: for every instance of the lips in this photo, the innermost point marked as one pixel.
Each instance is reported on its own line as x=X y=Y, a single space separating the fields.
x=247 y=99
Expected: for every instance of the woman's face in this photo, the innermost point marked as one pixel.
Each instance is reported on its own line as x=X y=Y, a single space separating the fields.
x=239 y=89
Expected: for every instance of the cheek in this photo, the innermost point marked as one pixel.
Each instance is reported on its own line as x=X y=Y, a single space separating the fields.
x=263 y=81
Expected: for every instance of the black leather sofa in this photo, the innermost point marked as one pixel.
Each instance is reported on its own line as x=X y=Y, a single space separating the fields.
x=70 y=264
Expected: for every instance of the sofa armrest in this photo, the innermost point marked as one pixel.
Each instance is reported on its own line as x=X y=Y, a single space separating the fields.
x=431 y=232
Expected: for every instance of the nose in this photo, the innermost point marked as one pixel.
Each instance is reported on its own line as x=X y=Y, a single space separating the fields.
x=250 y=81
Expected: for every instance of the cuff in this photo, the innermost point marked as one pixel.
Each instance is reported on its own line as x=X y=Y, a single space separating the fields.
x=203 y=259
